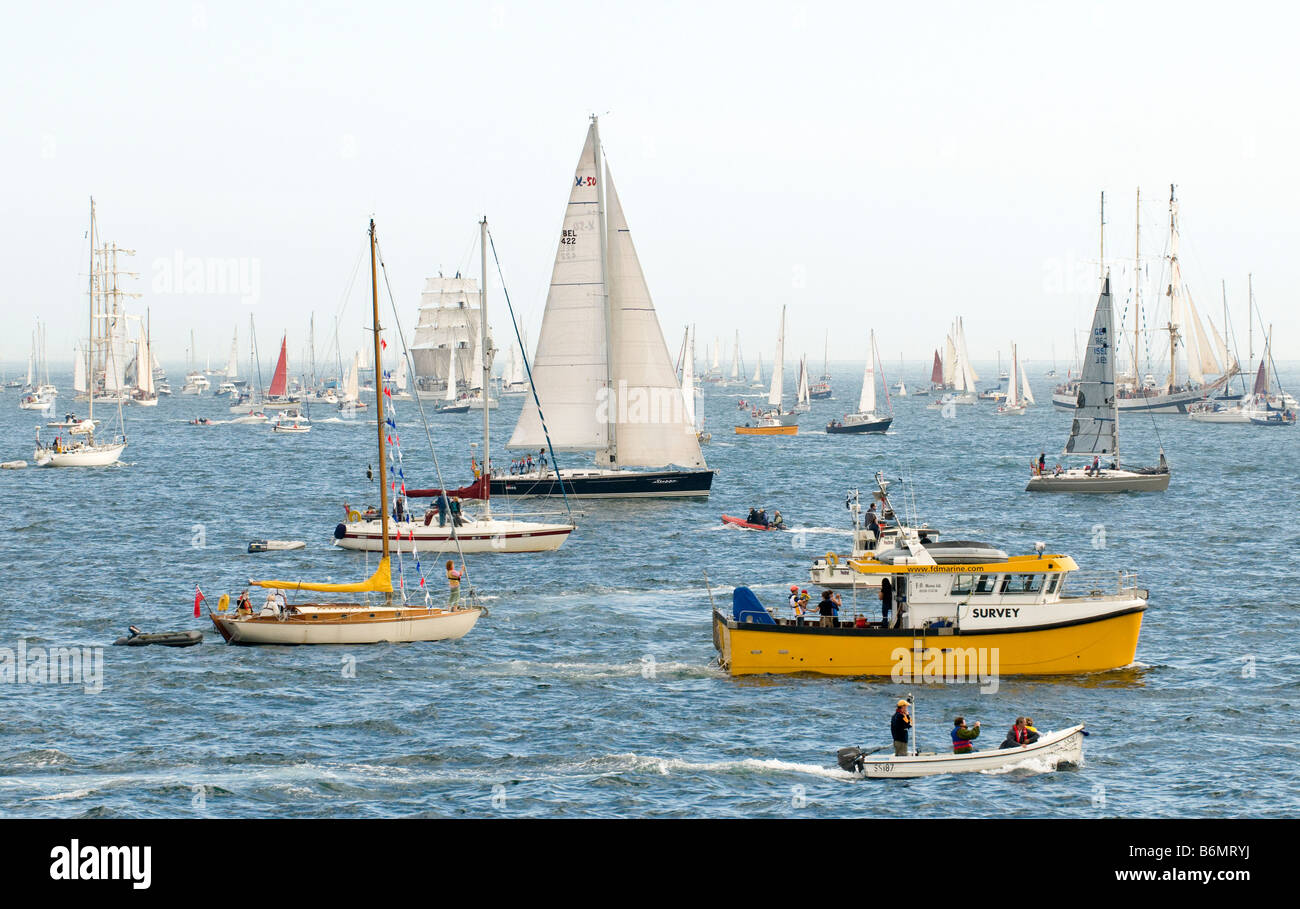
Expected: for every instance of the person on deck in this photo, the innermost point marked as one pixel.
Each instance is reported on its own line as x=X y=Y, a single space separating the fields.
x=829 y=608
x=1042 y=463
x=453 y=581
x=456 y=519
x=440 y=505
x=242 y=605
x=899 y=725
x=886 y=600
x=795 y=605
x=963 y=737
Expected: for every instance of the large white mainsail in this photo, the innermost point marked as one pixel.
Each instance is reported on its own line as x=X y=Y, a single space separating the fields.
x=867 y=399
x=778 y=369
x=78 y=370
x=758 y=372
x=735 y=359
x=571 y=366
x=1026 y=393
x=602 y=368
x=1095 y=430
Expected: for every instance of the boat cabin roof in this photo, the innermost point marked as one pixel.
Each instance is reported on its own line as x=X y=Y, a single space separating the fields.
x=1018 y=564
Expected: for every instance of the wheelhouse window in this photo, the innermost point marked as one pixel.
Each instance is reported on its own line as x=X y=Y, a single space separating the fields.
x=962 y=584
x=1052 y=581
x=986 y=584
x=1022 y=583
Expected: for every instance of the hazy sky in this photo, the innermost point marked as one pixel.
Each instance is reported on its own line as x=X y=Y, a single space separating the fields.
x=881 y=166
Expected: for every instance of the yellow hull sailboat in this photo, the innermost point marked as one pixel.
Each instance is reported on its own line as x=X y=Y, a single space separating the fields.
x=282 y=622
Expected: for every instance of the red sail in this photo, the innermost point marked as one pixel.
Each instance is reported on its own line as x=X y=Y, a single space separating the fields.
x=476 y=490
x=280 y=381
x=936 y=374
x=1261 y=380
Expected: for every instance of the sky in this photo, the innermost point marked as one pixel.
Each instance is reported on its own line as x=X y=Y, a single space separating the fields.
x=868 y=166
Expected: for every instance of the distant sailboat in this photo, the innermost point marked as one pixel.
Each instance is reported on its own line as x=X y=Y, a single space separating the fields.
x=865 y=419
x=1013 y=404
x=1095 y=431
x=774 y=422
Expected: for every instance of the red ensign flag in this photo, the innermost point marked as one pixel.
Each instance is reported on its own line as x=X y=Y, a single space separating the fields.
x=198 y=598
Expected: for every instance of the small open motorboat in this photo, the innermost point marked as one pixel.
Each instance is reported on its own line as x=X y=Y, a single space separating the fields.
x=740 y=522
x=13 y=465
x=164 y=638
x=1054 y=748
x=275 y=545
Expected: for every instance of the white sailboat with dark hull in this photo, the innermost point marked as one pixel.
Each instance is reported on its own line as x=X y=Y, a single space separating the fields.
x=602 y=372
x=1095 y=431
x=866 y=419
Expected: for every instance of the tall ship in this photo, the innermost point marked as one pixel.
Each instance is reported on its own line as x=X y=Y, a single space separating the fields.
x=447 y=327
x=602 y=373
x=1205 y=356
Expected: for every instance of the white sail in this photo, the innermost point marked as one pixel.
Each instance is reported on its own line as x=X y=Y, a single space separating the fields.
x=758 y=371
x=571 y=365
x=949 y=361
x=650 y=429
x=1222 y=349
x=867 y=399
x=688 y=377
x=969 y=376
x=78 y=370
x=1026 y=393
x=1095 y=430
x=778 y=370
x=1013 y=381
x=476 y=375
x=143 y=374
x=401 y=374
x=735 y=359
x=352 y=387
x=232 y=363
x=1205 y=353
x=805 y=398
x=450 y=394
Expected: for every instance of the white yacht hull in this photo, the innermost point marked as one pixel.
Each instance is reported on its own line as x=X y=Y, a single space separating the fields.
x=390 y=624
x=97 y=456
x=473 y=536
x=1077 y=479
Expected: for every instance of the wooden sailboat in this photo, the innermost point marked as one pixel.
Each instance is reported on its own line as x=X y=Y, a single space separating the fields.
x=865 y=419
x=1095 y=431
x=602 y=373
x=282 y=622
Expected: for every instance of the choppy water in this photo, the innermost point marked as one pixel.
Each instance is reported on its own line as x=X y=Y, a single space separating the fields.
x=591 y=689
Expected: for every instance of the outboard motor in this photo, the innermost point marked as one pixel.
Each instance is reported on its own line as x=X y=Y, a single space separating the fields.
x=340 y=531
x=850 y=759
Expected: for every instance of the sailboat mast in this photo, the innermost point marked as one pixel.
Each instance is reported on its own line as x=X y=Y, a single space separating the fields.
x=611 y=425
x=90 y=376
x=379 y=402
x=1102 y=249
x=483 y=346
x=1250 y=317
x=1137 y=289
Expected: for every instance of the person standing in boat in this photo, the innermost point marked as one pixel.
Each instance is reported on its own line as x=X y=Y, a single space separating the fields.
x=899 y=726
x=963 y=737
x=886 y=600
x=453 y=581
x=829 y=608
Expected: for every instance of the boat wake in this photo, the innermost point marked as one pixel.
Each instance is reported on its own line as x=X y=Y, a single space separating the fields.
x=635 y=763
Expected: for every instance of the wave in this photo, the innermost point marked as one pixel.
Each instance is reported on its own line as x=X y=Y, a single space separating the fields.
x=630 y=762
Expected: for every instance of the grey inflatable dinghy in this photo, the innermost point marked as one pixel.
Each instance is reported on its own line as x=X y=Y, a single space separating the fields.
x=163 y=638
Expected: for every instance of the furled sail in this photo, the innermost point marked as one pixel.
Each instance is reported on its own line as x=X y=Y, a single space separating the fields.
x=379 y=582
x=1095 y=430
